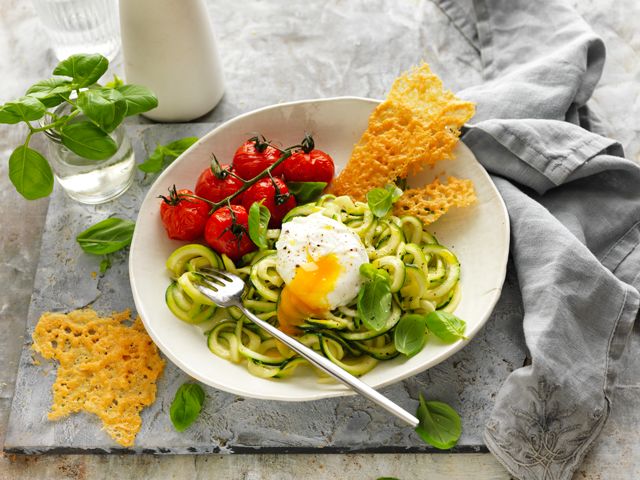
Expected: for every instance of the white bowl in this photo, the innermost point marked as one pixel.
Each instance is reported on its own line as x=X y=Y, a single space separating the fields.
x=477 y=234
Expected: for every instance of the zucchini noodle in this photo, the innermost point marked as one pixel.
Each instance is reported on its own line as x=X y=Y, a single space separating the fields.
x=424 y=278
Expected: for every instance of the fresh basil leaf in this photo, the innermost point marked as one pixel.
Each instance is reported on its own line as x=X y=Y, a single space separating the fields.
x=30 y=173
x=50 y=91
x=154 y=162
x=409 y=336
x=178 y=147
x=445 y=326
x=174 y=149
x=374 y=304
x=186 y=405
x=439 y=424
x=104 y=264
x=117 y=81
x=139 y=99
x=305 y=192
x=88 y=141
x=380 y=202
x=24 y=109
x=368 y=271
x=106 y=236
x=106 y=106
x=259 y=217
x=372 y=273
x=395 y=192
x=85 y=68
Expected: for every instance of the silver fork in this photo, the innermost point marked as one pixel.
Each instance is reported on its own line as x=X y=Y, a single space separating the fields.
x=226 y=289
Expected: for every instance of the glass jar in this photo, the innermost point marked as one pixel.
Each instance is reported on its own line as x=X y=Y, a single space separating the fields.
x=90 y=181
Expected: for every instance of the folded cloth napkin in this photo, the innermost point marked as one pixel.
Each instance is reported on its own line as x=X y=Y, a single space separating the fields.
x=574 y=206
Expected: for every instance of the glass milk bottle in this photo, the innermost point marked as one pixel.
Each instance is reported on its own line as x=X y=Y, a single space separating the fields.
x=170 y=47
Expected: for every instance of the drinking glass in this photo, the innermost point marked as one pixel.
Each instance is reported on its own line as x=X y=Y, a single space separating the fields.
x=90 y=181
x=81 y=26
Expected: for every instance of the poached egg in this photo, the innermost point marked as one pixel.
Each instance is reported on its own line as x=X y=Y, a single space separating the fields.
x=319 y=260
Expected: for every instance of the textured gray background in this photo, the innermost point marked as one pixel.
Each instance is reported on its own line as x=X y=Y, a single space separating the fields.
x=275 y=51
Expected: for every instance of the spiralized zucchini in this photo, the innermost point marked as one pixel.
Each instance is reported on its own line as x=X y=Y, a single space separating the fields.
x=424 y=278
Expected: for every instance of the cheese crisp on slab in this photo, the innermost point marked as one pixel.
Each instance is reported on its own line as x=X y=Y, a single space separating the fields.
x=106 y=367
x=416 y=126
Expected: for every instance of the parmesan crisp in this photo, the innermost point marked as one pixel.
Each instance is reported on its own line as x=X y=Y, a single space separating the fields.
x=416 y=126
x=106 y=368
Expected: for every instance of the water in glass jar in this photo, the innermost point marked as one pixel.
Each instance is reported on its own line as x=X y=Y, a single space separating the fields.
x=87 y=184
x=81 y=26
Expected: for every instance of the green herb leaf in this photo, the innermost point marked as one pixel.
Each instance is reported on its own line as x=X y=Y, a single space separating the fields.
x=178 y=147
x=50 y=91
x=106 y=236
x=259 y=217
x=445 y=326
x=374 y=304
x=24 y=109
x=117 y=81
x=372 y=273
x=88 y=141
x=30 y=173
x=380 y=200
x=305 y=192
x=85 y=68
x=174 y=150
x=106 y=106
x=104 y=264
x=395 y=192
x=409 y=336
x=439 y=424
x=139 y=99
x=186 y=405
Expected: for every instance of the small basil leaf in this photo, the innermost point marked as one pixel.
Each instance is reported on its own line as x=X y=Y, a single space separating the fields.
x=104 y=264
x=380 y=202
x=139 y=99
x=439 y=424
x=445 y=326
x=186 y=405
x=105 y=106
x=178 y=147
x=409 y=336
x=305 y=192
x=395 y=192
x=24 y=109
x=374 y=304
x=88 y=141
x=368 y=271
x=117 y=81
x=106 y=236
x=50 y=91
x=30 y=173
x=259 y=217
x=154 y=162
x=85 y=68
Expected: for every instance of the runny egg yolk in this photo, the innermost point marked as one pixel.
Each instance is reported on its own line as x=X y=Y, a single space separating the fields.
x=306 y=295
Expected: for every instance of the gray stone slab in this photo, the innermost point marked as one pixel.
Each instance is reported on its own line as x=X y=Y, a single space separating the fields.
x=67 y=279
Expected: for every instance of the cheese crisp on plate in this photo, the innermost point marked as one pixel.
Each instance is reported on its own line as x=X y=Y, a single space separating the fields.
x=106 y=367
x=417 y=125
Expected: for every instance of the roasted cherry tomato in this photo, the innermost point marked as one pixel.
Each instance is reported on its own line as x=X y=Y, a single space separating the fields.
x=309 y=164
x=184 y=217
x=227 y=232
x=216 y=183
x=276 y=198
x=254 y=157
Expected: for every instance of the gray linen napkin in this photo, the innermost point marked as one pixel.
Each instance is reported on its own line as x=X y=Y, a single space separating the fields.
x=574 y=207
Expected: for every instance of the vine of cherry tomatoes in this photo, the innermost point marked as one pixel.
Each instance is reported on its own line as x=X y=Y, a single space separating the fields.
x=188 y=216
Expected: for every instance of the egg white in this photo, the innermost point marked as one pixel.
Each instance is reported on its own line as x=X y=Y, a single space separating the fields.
x=316 y=236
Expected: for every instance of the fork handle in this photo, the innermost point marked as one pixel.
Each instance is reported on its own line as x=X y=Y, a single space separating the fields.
x=332 y=369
